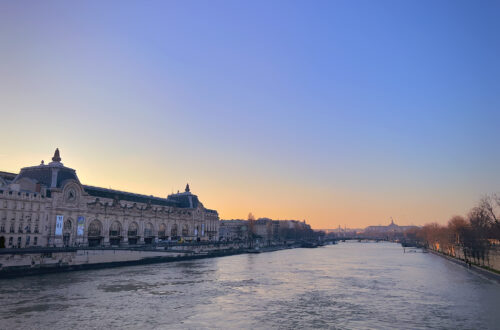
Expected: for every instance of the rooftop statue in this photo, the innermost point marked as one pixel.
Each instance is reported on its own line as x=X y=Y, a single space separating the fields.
x=56 y=157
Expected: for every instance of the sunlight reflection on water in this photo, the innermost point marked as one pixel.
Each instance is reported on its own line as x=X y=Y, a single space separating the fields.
x=350 y=285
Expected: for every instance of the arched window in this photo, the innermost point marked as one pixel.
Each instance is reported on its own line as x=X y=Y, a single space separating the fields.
x=162 y=231
x=173 y=231
x=132 y=229
x=185 y=230
x=148 y=233
x=67 y=226
x=95 y=229
x=132 y=233
x=148 y=230
x=115 y=230
x=94 y=233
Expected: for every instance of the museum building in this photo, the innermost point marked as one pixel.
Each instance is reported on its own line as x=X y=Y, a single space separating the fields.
x=46 y=205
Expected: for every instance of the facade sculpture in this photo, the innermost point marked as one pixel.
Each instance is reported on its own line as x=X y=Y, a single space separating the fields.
x=46 y=205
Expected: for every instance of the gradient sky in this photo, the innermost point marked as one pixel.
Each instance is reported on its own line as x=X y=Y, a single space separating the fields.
x=337 y=112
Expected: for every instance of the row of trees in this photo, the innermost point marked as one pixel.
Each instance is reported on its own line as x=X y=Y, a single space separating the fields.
x=472 y=236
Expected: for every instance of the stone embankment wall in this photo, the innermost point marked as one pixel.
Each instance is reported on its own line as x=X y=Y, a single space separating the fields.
x=491 y=260
x=19 y=262
x=206 y=247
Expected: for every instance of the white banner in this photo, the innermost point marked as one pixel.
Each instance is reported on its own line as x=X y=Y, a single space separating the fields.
x=59 y=225
x=80 y=226
x=202 y=229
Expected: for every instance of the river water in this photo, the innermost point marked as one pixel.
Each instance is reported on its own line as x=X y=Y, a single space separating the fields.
x=347 y=286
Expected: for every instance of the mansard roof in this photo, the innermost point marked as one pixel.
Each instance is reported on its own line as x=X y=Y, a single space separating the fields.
x=45 y=174
x=51 y=175
x=128 y=196
x=185 y=199
x=7 y=177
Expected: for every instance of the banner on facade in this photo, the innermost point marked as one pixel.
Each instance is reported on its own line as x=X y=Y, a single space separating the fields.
x=202 y=229
x=80 y=226
x=59 y=225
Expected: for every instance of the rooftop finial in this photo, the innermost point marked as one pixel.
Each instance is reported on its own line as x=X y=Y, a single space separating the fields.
x=56 y=157
x=187 y=187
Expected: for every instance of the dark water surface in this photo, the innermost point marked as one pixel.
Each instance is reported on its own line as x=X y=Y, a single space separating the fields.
x=346 y=286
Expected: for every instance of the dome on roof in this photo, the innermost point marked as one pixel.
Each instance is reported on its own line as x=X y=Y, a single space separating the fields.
x=51 y=175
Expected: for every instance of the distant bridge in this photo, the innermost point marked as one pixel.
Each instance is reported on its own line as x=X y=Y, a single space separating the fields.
x=357 y=238
x=404 y=243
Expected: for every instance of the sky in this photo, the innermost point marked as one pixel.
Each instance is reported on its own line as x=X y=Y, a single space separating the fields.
x=337 y=112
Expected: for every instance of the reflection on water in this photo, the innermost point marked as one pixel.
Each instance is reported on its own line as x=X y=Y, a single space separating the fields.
x=350 y=285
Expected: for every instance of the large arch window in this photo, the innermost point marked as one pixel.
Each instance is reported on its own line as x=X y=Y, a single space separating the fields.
x=148 y=233
x=94 y=233
x=162 y=232
x=173 y=231
x=115 y=231
x=185 y=230
x=132 y=233
x=148 y=230
x=67 y=225
x=95 y=228
x=132 y=229
x=67 y=232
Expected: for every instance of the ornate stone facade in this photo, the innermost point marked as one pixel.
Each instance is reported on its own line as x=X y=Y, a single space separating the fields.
x=46 y=205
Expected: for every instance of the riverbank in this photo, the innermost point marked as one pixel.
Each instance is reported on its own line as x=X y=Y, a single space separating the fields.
x=28 y=262
x=490 y=274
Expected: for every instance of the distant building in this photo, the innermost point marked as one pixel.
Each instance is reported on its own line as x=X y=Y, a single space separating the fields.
x=391 y=228
x=233 y=230
x=46 y=205
x=264 y=229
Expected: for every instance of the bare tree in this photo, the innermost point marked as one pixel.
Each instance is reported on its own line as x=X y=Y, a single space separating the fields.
x=457 y=225
x=496 y=198
x=488 y=204
x=474 y=234
x=481 y=224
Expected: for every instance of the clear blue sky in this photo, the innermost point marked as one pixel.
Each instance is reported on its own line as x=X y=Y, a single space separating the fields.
x=339 y=112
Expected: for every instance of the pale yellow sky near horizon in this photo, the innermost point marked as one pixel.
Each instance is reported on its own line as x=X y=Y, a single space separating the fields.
x=234 y=196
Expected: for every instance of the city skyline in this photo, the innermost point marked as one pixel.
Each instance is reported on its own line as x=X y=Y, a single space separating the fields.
x=335 y=113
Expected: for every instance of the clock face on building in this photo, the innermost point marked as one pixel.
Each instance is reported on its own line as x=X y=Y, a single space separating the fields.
x=71 y=195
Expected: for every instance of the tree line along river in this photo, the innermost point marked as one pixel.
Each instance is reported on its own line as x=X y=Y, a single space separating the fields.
x=345 y=286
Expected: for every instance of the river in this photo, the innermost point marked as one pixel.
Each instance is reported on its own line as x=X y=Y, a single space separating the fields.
x=347 y=286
